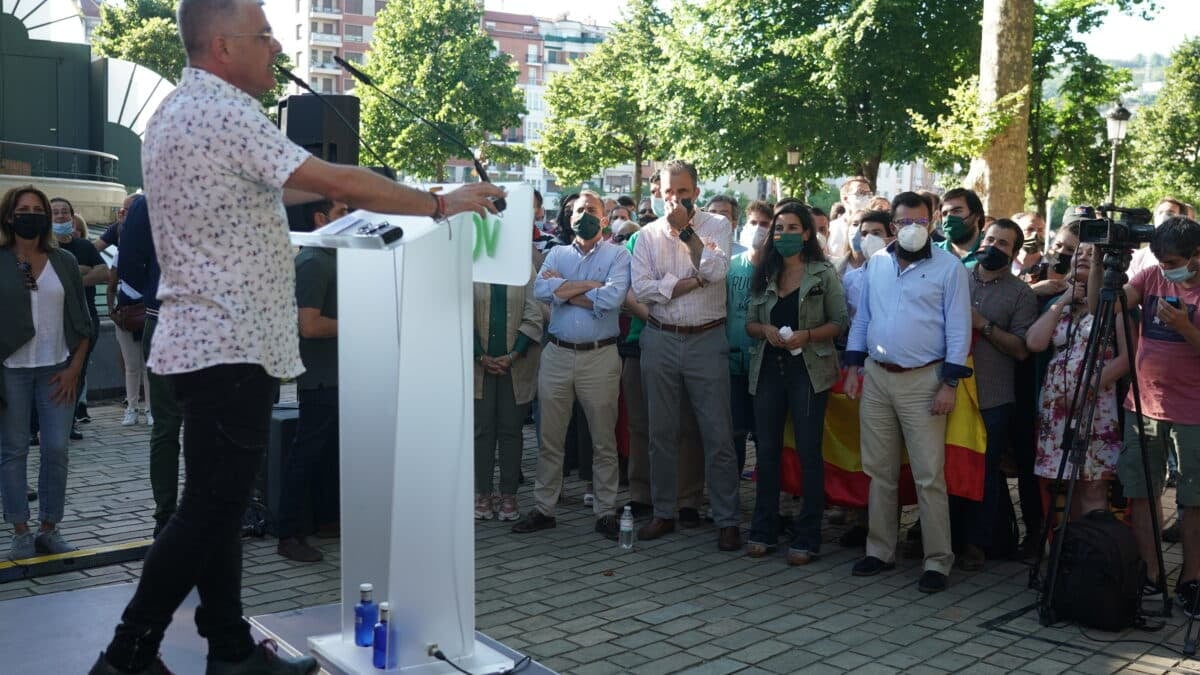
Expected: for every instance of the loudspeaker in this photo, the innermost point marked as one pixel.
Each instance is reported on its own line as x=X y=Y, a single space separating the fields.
x=313 y=126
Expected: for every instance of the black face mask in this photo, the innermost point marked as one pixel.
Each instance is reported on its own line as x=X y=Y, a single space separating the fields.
x=993 y=259
x=30 y=225
x=912 y=256
x=1063 y=264
x=587 y=227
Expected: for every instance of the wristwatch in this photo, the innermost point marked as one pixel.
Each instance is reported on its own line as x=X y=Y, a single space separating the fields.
x=686 y=234
x=987 y=329
x=951 y=382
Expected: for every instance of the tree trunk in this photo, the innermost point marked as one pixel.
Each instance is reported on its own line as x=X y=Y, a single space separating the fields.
x=638 y=152
x=1005 y=66
x=869 y=169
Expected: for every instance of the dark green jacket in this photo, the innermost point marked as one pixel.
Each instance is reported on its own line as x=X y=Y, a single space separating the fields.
x=17 y=327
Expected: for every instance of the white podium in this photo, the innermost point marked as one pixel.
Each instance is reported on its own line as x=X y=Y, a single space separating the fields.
x=407 y=428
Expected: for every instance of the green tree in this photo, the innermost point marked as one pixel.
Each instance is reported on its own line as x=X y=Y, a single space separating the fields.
x=1162 y=150
x=143 y=32
x=434 y=56
x=608 y=109
x=832 y=79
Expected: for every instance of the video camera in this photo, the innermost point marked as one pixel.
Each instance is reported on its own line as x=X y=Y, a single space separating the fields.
x=1132 y=231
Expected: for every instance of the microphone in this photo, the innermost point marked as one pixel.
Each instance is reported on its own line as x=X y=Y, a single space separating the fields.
x=324 y=101
x=359 y=75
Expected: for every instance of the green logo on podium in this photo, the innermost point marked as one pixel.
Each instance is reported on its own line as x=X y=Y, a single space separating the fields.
x=487 y=234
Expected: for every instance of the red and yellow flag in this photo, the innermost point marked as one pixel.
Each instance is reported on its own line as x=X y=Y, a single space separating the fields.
x=845 y=482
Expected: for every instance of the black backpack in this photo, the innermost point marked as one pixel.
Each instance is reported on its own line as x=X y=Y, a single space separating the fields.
x=1099 y=574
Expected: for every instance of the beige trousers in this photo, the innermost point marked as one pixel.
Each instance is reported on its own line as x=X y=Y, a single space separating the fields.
x=594 y=379
x=894 y=415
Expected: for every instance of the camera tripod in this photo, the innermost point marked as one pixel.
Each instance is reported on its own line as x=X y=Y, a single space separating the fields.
x=1077 y=431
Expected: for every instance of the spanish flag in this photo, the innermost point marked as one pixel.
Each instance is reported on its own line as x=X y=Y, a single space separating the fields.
x=845 y=482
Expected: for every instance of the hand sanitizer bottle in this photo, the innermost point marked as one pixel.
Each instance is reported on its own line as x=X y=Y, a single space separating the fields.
x=366 y=613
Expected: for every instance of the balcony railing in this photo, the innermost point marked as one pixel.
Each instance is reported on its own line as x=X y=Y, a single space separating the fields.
x=327 y=38
x=325 y=11
x=354 y=38
x=52 y=161
x=326 y=67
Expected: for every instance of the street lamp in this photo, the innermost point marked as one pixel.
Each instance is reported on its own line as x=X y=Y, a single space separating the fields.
x=793 y=157
x=1118 y=121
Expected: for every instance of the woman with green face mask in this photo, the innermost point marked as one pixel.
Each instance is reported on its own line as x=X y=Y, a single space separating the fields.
x=797 y=308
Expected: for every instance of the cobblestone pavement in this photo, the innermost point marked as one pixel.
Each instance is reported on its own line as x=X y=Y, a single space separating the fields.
x=579 y=604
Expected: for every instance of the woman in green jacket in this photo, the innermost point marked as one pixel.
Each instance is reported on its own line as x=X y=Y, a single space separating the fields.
x=797 y=308
x=43 y=342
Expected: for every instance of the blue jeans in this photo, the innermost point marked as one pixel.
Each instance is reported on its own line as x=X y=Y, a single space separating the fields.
x=26 y=389
x=784 y=388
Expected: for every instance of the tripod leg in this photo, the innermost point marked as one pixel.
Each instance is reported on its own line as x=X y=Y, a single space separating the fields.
x=1155 y=515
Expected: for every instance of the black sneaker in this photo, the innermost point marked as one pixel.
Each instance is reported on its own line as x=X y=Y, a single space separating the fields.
x=81 y=414
x=1185 y=597
x=1174 y=533
x=264 y=660
x=1151 y=589
x=30 y=493
x=533 y=522
x=640 y=510
x=854 y=537
x=689 y=517
x=870 y=566
x=932 y=582
x=609 y=526
x=102 y=667
x=75 y=434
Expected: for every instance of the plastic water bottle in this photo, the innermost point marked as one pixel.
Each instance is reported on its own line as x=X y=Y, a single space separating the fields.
x=627 y=529
x=366 y=614
x=386 y=642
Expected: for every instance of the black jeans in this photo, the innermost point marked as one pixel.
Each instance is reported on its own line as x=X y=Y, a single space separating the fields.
x=785 y=389
x=742 y=404
x=307 y=500
x=226 y=412
x=974 y=522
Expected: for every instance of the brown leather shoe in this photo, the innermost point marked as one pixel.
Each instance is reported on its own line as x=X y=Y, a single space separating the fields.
x=656 y=528
x=729 y=539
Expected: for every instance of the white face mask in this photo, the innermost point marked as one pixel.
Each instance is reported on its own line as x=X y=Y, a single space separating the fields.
x=855 y=203
x=872 y=244
x=912 y=238
x=824 y=242
x=659 y=205
x=759 y=237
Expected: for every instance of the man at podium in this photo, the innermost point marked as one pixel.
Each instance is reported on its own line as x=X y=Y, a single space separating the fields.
x=215 y=171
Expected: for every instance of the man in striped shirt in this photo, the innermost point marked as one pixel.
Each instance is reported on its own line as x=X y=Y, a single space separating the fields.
x=679 y=268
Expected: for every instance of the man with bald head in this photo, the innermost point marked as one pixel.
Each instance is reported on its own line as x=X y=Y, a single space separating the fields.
x=215 y=170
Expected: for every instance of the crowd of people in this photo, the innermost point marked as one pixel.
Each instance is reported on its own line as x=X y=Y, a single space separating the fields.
x=671 y=334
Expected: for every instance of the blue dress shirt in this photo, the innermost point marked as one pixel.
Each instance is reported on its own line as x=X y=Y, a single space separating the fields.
x=916 y=316
x=607 y=263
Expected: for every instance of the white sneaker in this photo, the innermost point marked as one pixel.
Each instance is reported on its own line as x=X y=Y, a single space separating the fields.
x=130 y=419
x=149 y=419
x=588 y=497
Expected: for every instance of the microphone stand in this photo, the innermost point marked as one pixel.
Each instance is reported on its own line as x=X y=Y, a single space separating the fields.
x=455 y=140
x=324 y=101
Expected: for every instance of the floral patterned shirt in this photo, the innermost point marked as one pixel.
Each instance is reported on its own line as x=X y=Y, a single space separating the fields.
x=214 y=167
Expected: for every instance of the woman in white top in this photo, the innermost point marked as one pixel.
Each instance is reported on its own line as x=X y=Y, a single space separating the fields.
x=128 y=299
x=43 y=343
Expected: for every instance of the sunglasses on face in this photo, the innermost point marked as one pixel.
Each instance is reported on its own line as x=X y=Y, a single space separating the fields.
x=27 y=270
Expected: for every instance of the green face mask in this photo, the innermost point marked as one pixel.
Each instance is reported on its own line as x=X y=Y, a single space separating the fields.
x=956 y=229
x=789 y=243
x=587 y=227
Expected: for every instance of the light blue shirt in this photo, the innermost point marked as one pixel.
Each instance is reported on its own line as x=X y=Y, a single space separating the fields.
x=737 y=299
x=912 y=317
x=606 y=263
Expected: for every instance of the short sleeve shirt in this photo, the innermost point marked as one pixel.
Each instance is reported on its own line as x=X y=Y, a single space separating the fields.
x=316 y=288
x=86 y=255
x=214 y=166
x=1168 y=367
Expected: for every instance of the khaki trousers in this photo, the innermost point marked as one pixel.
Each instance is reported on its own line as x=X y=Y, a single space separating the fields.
x=594 y=379
x=893 y=415
x=691 y=454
